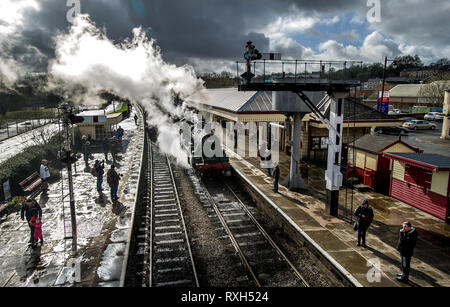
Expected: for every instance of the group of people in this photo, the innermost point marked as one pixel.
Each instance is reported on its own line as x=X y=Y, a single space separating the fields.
x=32 y=211
x=112 y=178
x=406 y=243
x=114 y=144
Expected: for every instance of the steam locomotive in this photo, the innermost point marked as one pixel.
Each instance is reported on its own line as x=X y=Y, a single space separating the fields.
x=205 y=163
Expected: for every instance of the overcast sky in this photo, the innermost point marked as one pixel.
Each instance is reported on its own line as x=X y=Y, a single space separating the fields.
x=211 y=34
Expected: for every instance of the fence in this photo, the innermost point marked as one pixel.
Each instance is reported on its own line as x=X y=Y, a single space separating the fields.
x=11 y=128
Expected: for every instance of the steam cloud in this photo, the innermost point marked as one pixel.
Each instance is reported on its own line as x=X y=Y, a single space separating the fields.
x=133 y=69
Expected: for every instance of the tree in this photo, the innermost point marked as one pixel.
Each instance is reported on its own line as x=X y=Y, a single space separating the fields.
x=401 y=63
x=435 y=91
x=443 y=63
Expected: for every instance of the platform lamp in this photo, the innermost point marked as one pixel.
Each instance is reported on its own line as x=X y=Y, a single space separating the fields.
x=69 y=118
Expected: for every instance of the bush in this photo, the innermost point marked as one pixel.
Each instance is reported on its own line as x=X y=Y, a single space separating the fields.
x=22 y=165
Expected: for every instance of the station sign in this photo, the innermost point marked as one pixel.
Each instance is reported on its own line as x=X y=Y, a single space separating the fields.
x=383 y=106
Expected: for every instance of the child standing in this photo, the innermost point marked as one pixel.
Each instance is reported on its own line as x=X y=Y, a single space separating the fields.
x=37 y=224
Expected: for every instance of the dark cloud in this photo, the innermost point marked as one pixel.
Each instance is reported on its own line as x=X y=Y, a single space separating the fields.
x=217 y=29
x=183 y=29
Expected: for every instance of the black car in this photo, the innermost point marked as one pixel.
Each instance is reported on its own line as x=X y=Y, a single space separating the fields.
x=392 y=130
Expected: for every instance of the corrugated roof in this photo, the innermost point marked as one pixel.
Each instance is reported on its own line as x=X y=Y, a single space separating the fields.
x=375 y=143
x=228 y=98
x=260 y=102
x=433 y=160
x=235 y=101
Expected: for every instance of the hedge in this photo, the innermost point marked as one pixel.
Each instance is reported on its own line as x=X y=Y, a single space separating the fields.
x=22 y=165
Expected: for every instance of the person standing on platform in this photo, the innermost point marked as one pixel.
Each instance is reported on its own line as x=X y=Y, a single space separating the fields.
x=36 y=223
x=105 y=145
x=113 y=181
x=364 y=216
x=135 y=119
x=276 y=178
x=44 y=173
x=30 y=209
x=99 y=172
x=114 y=148
x=86 y=153
x=406 y=244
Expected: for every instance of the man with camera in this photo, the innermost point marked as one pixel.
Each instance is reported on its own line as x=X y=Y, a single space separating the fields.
x=406 y=244
x=113 y=180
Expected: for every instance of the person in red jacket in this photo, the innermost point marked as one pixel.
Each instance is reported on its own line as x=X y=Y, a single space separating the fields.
x=36 y=223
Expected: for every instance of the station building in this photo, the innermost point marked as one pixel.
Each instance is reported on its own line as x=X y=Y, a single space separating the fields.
x=98 y=124
x=422 y=181
x=369 y=164
x=230 y=105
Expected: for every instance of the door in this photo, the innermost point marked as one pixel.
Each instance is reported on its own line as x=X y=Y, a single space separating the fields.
x=369 y=177
x=382 y=176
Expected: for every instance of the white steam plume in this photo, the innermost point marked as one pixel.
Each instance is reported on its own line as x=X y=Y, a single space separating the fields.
x=133 y=69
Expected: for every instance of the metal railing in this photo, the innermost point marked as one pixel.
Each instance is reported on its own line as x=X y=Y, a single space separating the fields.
x=9 y=129
x=298 y=71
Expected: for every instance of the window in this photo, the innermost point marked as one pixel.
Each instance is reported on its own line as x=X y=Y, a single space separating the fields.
x=100 y=133
x=418 y=176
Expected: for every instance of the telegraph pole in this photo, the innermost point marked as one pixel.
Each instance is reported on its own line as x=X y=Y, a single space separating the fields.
x=67 y=109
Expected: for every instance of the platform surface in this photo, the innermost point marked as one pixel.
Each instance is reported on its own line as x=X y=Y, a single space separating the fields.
x=102 y=228
x=430 y=265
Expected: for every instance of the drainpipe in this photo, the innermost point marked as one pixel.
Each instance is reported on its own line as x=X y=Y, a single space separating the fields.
x=446 y=121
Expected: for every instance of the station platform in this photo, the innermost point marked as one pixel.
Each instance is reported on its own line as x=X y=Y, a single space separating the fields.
x=335 y=237
x=102 y=227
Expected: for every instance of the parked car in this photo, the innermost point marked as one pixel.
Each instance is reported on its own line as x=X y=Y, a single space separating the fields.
x=391 y=130
x=419 y=124
x=407 y=119
x=433 y=116
x=439 y=116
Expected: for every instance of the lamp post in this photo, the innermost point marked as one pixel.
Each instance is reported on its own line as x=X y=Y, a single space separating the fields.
x=384 y=80
x=66 y=108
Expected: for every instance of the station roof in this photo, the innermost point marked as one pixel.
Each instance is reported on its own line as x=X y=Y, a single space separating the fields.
x=92 y=113
x=231 y=99
x=376 y=144
x=428 y=161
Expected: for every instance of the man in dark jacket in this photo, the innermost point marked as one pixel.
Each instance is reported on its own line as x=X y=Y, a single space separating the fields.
x=113 y=181
x=364 y=215
x=105 y=145
x=276 y=178
x=406 y=244
x=30 y=208
x=100 y=171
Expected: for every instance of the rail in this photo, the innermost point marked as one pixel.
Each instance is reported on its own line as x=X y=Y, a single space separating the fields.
x=249 y=263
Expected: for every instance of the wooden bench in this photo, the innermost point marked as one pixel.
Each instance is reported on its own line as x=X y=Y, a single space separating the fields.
x=31 y=185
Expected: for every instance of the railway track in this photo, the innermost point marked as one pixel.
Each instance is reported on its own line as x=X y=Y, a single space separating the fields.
x=266 y=264
x=161 y=254
x=170 y=256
